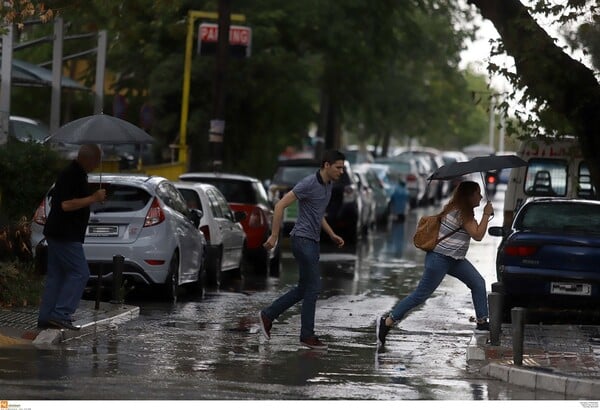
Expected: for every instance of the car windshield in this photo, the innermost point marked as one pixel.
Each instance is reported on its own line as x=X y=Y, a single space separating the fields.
x=561 y=217
x=292 y=175
x=120 y=198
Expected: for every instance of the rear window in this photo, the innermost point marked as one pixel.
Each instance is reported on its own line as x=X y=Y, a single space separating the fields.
x=235 y=191
x=191 y=198
x=560 y=217
x=120 y=198
x=546 y=177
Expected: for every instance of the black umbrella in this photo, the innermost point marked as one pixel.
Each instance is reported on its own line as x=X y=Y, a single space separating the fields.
x=100 y=129
x=477 y=164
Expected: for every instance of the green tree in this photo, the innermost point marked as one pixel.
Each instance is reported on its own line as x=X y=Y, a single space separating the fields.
x=565 y=92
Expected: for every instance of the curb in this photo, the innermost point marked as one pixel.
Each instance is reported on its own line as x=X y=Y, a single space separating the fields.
x=532 y=378
x=535 y=379
x=56 y=336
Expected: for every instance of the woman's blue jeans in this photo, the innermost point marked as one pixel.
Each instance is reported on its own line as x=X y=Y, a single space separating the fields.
x=306 y=251
x=66 y=278
x=436 y=267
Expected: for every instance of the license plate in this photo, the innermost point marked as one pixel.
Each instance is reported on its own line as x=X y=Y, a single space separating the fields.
x=562 y=288
x=102 y=230
x=291 y=212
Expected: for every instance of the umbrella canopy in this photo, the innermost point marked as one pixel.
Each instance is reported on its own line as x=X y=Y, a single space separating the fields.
x=100 y=129
x=477 y=164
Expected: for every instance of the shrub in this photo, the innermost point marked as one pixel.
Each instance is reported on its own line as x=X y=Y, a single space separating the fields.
x=19 y=284
x=26 y=172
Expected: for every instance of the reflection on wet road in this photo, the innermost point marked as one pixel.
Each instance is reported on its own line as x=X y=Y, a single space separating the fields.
x=210 y=348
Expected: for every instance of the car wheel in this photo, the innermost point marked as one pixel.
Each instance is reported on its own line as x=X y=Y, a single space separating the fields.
x=213 y=270
x=172 y=283
x=275 y=268
x=200 y=284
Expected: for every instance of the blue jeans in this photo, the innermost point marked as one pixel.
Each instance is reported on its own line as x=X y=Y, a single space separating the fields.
x=436 y=267
x=67 y=275
x=306 y=251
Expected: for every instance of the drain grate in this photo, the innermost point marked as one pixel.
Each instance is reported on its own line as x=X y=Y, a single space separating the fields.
x=19 y=319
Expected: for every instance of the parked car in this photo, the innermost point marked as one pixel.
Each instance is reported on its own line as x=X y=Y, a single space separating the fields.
x=395 y=189
x=345 y=207
x=550 y=256
x=381 y=195
x=27 y=129
x=225 y=237
x=367 y=197
x=357 y=155
x=144 y=219
x=455 y=156
x=414 y=172
x=437 y=189
x=247 y=194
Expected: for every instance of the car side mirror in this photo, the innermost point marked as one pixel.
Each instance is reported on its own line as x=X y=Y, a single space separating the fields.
x=239 y=216
x=496 y=231
x=196 y=216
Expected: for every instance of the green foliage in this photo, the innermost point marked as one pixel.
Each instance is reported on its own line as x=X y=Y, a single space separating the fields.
x=26 y=172
x=386 y=68
x=19 y=284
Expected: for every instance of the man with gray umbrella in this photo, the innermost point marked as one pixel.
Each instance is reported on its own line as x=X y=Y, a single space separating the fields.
x=68 y=271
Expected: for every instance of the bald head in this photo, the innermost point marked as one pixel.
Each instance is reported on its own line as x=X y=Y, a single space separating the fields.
x=89 y=156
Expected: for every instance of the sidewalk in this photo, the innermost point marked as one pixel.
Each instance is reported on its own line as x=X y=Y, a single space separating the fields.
x=18 y=326
x=559 y=358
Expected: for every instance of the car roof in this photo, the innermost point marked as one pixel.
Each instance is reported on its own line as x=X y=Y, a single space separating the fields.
x=24 y=119
x=131 y=179
x=218 y=175
x=194 y=185
x=536 y=200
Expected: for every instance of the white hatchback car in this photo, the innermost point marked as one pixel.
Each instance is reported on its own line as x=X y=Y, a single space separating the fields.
x=221 y=226
x=144 y=219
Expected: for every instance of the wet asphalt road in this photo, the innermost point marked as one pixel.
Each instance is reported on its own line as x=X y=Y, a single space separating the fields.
x=211 y=348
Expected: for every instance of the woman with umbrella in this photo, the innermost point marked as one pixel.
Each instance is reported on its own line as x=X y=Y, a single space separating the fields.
x=458 y=226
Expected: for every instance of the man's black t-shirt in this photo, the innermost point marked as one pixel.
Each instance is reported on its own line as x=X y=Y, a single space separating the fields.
x=68 y=226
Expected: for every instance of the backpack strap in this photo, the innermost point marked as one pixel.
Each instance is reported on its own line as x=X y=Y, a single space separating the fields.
x=440 y=215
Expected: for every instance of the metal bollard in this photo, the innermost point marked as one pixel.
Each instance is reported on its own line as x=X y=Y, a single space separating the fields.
x=517 y=315
x=495 y=301
x=117 y=279
x=98 y=287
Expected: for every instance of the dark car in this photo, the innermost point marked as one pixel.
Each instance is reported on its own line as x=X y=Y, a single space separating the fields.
x=247 y=194
x=550 y=256
x=345 y=207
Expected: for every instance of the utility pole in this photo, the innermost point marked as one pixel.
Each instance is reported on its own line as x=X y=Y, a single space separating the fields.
x=217 y=122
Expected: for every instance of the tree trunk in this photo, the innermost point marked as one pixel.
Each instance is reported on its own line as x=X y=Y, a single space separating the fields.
x=566 y=85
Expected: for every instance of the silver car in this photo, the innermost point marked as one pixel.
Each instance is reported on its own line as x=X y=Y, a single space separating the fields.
x=146 y=220
x=224 y=234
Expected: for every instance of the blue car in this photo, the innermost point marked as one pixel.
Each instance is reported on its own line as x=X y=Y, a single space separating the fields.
x=550 y=256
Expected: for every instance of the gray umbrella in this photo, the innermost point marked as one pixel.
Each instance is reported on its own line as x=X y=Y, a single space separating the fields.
x=100 y=129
